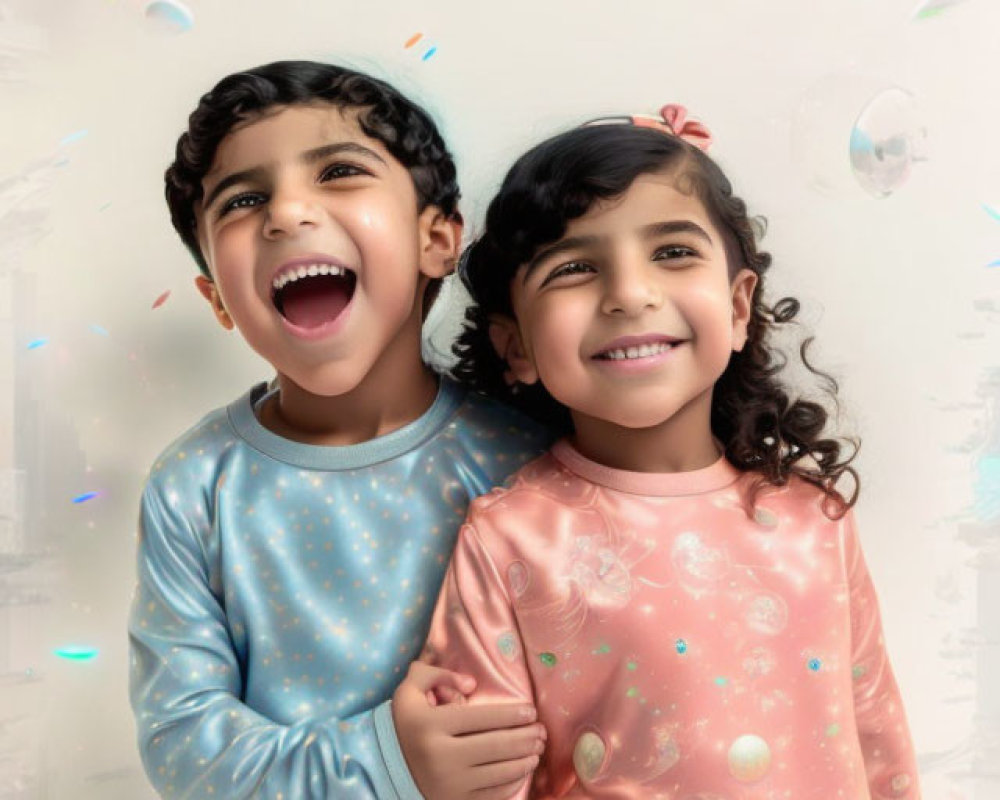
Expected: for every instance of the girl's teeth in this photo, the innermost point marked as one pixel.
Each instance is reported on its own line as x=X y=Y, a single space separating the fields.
x=642 y=351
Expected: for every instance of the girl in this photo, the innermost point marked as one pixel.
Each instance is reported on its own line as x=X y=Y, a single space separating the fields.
x=678 y=585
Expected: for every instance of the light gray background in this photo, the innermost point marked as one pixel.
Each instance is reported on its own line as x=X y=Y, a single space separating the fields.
x=897 y=290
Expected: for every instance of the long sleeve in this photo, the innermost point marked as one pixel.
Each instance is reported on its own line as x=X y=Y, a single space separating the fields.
x=474 y=629
x=197 y=737
x=890 y=763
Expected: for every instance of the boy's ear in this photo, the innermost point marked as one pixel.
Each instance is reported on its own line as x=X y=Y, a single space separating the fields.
x=742 y=295
x=440 y=241
x=208 y=290
x=506 y=339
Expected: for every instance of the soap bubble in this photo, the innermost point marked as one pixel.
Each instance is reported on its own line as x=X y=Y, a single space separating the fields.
x=850 y=131
x=169 y=16
x=886 y=141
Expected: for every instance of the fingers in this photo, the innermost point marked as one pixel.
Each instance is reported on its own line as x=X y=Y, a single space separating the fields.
x=443 y=695
x=424 y=677
x=476 y=718
x=504 y=788
x=502 y=746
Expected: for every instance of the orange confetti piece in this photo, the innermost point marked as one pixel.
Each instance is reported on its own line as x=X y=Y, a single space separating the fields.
x=413 y=40
x=161 y=299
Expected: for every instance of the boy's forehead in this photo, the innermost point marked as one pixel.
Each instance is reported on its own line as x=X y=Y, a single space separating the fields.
x=283 y=132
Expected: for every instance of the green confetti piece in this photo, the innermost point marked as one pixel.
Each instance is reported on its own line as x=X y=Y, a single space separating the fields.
x=632 y=692
x=631 y=665
x=548 y=659
x=604 y=648
x=832 y=729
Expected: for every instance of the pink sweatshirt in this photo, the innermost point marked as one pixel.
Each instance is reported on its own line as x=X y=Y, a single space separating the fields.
x=674 y=647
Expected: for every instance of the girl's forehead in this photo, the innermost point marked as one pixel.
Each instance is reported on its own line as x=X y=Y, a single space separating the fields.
x=650 y=199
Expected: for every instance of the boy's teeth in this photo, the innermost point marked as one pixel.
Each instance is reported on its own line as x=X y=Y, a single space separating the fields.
x=306 y=270
x=642 y=351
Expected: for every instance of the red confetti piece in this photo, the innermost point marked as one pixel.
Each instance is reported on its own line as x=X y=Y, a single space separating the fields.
x=161 y=299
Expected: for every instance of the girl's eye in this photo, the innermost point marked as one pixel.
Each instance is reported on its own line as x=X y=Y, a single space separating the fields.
x=339 y=170
x=244 y=200
x=572 y=268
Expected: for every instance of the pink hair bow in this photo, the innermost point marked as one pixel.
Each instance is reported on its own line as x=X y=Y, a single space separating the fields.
x=673 y=117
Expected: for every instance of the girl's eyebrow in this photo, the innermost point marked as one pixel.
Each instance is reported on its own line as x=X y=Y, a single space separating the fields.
x=572 y=243
x=308 y=157
x=647 y=232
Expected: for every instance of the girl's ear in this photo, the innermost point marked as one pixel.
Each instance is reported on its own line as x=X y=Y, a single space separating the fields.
x=440 y=241
x=742 y=296
x=506 y=339
x=209 y=291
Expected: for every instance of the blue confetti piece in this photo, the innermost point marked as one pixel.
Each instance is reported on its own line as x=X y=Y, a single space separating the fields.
x=36 y=343
x=99 y=330
x=77 y=653
x=171 y=15
x=429 y=53
x=682 y=646
x=83 y=498
x=73 y=137
x=994 y=263
x=814 y=664
x=992 y=212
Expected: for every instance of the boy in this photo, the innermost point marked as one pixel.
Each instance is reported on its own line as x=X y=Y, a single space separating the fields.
x=293 y=543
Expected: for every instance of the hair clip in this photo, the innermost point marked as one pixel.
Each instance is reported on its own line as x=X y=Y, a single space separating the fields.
x=672 y=120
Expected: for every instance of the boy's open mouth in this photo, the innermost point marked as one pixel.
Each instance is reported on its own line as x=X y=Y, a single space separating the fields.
x=312 y=295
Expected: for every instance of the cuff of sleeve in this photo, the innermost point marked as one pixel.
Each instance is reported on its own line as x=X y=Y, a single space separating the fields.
x=392 y=754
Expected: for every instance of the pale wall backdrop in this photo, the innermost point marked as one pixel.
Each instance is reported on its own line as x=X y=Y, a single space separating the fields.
x=898 y=290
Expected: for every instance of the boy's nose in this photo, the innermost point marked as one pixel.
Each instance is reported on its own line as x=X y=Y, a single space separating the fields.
x=630 y=290
x=288 y=213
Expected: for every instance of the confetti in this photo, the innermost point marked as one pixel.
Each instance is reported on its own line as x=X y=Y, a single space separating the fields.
x=548 y=659
x=429 y=53
x=105 y=206
x=161 y=299
x=169 y=16
x=815 y=664
x=931 y=8
x=993 y=212
x=73 y=137
x=34 y=344
x=604 y=648
x=994 y=263
x=99 y=330
x=83 y=498
x=413 y=40
x=682 y=646
x=77 y=653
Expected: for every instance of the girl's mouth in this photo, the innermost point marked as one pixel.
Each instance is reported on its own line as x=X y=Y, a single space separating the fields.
x=310 y=296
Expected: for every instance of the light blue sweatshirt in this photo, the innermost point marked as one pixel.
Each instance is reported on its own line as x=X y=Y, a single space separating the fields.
x=284 y=588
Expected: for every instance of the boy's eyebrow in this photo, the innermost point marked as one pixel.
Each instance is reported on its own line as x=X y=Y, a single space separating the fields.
x=647 y=232
x=308 y=157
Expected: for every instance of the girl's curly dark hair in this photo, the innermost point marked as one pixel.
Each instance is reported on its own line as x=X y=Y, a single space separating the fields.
x=762 y=427
x=406 y=130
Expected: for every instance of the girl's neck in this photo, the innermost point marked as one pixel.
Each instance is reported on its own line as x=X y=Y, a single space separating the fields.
x=680 y=444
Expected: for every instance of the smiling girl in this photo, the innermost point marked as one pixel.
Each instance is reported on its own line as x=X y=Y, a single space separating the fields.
x=678 y=584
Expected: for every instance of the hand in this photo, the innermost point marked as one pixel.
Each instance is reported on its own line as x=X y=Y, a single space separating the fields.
x=457 y=750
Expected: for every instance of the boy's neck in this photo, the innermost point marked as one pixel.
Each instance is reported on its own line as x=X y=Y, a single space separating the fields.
x=374 y=408
x=680 y=444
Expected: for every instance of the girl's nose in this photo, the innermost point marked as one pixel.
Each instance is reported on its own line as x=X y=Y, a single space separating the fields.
x=289 y=211
x=630 y=290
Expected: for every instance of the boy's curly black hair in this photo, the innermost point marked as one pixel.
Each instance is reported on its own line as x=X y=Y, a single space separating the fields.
x=762 y=427
x=406 y=130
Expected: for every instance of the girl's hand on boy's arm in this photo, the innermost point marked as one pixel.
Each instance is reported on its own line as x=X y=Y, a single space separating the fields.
x=456 y=750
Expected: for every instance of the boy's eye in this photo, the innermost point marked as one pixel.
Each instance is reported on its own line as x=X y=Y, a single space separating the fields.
x=673 y=251
x=570 y=268
x=341 y=170
x=244 y=200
